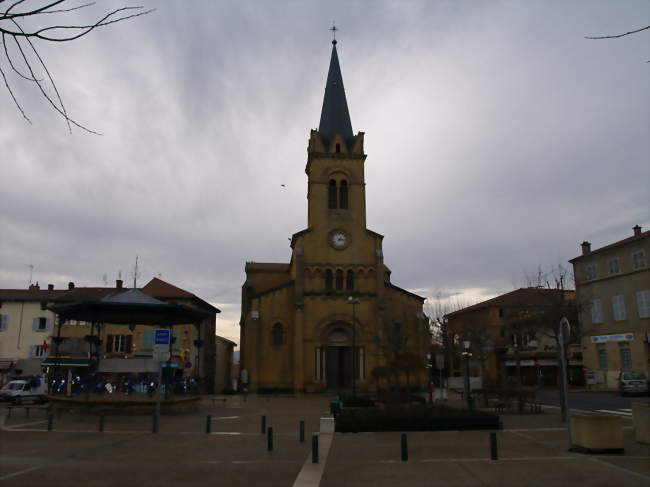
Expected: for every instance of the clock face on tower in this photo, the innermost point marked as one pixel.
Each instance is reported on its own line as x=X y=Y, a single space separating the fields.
x=338 y=239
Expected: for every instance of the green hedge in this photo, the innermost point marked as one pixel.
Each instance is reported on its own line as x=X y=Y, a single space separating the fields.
x=416 y=418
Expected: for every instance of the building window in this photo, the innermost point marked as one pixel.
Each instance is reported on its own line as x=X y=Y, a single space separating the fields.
x=643 y=303
x=119 y=343
x=591 y=272
x=331 y=195
x=43 y=305
x=614 y=266
x=319 y=363
x=602 y=356
x=4 y=322
x=328 y=280
x=41 y=324
x=638 y=259
x=37 y=351
x=343 y=195
x=596 y=311
x=278 y=335
x=626 y=355
x=618 y=308
x=338 y=148
x=339 y=280
x=349 y=280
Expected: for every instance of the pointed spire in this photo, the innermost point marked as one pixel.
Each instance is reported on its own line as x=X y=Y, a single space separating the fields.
x=334 y=117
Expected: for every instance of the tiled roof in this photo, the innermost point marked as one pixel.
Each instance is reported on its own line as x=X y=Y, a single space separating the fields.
x=267 y=267
x=528 y=297
x=615 y=244
x=161 y=289
x=30 y=294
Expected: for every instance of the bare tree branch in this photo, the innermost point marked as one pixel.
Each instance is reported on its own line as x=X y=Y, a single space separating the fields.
x=11 y=26
x=620 y=35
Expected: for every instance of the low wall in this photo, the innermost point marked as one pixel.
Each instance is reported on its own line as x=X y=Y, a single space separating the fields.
x=175 y=405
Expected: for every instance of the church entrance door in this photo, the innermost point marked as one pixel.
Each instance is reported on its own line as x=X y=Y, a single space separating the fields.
x=339 y=367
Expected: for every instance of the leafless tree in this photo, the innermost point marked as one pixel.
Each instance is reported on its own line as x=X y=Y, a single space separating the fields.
x=616 y=36
x=26 y=23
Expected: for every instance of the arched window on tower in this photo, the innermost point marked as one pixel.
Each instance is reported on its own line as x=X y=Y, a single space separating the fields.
x=328 y=280
x=339 y=280
x=343 y=195
x=331 y=195
x=278 y=335
x=349 y=280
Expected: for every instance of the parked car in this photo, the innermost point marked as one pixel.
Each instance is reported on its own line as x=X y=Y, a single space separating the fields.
x=632 y=383
x=20 y=391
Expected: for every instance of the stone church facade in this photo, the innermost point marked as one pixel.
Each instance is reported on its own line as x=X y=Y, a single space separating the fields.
x=331 y=319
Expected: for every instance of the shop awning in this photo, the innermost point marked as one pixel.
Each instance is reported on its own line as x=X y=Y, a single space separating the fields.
x=53 y=361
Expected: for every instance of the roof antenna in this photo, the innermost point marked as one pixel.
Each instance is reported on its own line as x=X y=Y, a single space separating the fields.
x=135 y=273
x=31 y=272
x=334 y=29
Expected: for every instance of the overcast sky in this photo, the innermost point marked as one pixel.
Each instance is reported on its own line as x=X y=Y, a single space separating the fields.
x=498 y=139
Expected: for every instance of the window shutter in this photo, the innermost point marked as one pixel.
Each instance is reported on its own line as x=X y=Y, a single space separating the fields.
x=48 y=324
x=35 y=324
x=32 y=350
x=4 y=322
x=128 y=344
x=147 y=338
x=109 y=343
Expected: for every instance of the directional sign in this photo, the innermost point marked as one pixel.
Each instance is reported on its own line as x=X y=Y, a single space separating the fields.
x=161 y=339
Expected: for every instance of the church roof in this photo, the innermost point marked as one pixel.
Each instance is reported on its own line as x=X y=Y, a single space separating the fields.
x=335 y=117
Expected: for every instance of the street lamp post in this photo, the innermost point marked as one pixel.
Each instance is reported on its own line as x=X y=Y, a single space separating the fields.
x=354 y=301
x=467 y=389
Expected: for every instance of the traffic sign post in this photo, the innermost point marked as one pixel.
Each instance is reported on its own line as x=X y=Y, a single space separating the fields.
x=161 y=353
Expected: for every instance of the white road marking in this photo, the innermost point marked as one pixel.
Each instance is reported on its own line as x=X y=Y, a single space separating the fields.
x=616 y=467
x=533 y=459
x=20 y=472
x=611 y=411
x=311 y=473
x=12 y=426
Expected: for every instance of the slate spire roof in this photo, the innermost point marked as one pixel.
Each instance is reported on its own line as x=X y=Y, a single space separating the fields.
x=334 y=117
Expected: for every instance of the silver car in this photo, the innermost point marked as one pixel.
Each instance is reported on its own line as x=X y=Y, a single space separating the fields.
x=633 y=383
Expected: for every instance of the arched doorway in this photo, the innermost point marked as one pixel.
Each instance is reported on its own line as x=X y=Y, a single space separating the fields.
x=339 y=357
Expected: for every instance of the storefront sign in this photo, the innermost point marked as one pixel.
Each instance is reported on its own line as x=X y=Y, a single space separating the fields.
x=621 y=337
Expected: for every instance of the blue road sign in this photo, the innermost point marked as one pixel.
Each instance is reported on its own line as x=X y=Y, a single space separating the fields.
x=161 y=337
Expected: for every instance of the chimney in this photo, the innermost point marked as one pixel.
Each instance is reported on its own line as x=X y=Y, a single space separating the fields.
x=586 y=247
x=119 y=283
x=50 y=287
x=637 y=230
x=34 y=287
x=71 y=285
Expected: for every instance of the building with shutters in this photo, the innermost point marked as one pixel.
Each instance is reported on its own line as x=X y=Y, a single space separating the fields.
x=28 y=327
x=25 y=328
x=613 y=291
x=331 y=318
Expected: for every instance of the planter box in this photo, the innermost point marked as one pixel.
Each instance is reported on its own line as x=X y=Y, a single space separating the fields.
x=596 y=433
x=641 y=419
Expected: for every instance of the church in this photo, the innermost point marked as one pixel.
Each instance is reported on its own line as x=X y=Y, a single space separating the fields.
x=331 y=319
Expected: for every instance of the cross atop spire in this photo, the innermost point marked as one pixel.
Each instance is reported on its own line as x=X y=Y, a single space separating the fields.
x=335 y=117
x=333 y=29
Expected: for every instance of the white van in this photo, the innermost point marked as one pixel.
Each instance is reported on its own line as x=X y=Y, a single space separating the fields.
x=21 y=391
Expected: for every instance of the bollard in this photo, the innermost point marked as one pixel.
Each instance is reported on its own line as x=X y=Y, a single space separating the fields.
x=314 y=448
x=208 y=425
x=50 y=420
x=302 y=432
x=101 y=422
x=154 y=423
x=263 y=424
x=494 y=454
x=405 y=448
x=269 y=439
